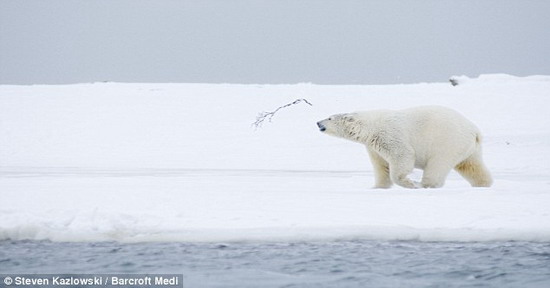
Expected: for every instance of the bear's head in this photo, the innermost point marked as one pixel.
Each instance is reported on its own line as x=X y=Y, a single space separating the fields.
x=341 y=125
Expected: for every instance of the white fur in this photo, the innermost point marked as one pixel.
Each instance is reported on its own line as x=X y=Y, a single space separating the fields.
x=435 y=139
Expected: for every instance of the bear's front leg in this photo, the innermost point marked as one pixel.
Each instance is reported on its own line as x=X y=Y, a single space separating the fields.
x=400 y=168
x=381 y=170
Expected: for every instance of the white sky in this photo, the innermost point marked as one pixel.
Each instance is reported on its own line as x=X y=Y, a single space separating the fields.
x=269 y=41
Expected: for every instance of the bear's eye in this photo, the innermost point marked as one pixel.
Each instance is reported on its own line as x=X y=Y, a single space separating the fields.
x=330 y=119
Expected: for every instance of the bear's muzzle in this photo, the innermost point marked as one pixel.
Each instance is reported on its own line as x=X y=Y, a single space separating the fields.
x=322 y=127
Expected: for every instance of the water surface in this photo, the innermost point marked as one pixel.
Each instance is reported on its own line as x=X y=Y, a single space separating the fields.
x=317 y=264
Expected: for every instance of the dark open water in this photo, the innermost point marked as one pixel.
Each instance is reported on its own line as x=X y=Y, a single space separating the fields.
x=317 y=264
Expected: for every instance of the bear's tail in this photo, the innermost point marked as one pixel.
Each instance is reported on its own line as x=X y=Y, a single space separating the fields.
x=478 y=139
x=473 y=169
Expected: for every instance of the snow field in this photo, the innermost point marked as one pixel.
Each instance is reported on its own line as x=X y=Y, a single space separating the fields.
x=182 y=162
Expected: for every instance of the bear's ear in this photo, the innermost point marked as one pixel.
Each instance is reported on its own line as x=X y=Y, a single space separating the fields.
x=349 y=117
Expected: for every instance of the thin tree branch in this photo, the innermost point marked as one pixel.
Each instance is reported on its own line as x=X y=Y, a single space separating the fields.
x=269 y=115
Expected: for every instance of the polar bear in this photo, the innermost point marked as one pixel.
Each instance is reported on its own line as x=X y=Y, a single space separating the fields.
x=432 y=138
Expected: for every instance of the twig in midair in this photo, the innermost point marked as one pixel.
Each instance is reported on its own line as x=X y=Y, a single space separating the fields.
x=269 y=115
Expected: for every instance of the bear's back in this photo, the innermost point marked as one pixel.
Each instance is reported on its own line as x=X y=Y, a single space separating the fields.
x=438 y=118
x=436 y=128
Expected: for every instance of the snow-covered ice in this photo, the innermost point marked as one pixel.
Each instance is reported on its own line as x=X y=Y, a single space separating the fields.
x=183 y=162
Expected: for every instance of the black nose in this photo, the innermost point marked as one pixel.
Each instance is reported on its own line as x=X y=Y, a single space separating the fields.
x=321 y=126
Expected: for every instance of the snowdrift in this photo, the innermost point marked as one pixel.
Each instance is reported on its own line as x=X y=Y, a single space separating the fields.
x=183 y=162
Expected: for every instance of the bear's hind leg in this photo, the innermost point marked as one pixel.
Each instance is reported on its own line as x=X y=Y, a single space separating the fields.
x=473 y=170
x=435 y=173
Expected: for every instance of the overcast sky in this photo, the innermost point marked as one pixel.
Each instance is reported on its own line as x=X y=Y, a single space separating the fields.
x=269 y=41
